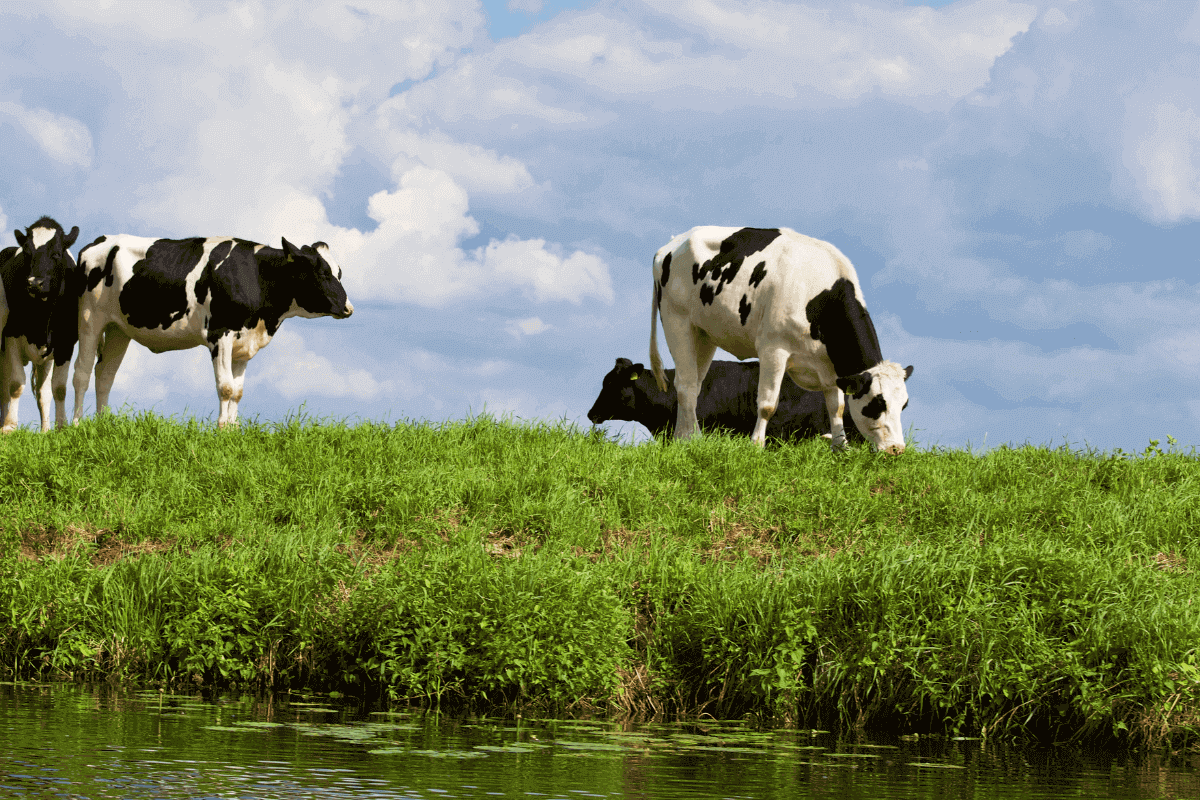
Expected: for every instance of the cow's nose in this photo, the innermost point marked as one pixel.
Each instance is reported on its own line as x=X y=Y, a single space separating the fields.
x=349 y=308
x=896 y=449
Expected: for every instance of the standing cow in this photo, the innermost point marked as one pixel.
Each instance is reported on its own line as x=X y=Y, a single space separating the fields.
x=792 y=301
x=229 y=295
x=726 y=400
x=41 y=305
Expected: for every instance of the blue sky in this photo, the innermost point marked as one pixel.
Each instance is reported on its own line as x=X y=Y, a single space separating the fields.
x=1017 y=184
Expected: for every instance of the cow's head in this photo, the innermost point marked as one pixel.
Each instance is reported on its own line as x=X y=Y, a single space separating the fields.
x=47 y=257
x=876 y=397
x=318 y=281
x=624 y=386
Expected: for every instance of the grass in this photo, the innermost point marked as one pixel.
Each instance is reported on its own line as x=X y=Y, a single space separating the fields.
x=1022 y=592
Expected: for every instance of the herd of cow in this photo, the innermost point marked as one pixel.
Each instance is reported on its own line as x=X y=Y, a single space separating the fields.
x=798 y=309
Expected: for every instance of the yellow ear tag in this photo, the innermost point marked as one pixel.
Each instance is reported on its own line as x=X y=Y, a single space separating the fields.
x=289 y=259
x=633 y=377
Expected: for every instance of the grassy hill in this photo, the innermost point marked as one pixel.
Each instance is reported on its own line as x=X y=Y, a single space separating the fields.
x=485 y=563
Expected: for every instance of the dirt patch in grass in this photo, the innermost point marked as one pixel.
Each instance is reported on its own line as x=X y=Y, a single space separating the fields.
x=741 y=540
x=103 y=546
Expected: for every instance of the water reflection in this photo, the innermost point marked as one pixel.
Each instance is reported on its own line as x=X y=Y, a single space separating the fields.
x=68 y=741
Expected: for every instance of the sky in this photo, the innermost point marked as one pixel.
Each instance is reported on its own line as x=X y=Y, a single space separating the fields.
x=1016 y=183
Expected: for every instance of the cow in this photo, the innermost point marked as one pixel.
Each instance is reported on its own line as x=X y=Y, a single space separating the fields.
x=727 y=400
x=41 y=304
x=229 y=295
x=792 y=301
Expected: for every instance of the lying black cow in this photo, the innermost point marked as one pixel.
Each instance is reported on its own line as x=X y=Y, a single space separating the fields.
x=728 y=399
x=39 y=319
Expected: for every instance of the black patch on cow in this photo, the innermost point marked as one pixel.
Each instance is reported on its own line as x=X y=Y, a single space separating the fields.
x=658 y=295
x=722 y=268
x=706 y=294
x=666 y=270
x=106 y=273
x=156 y=294
x=841 y=322
x=759 y=273
x=744 y=309
x=875 y=408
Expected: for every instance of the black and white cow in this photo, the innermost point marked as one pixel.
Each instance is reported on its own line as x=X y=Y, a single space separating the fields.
x=227 y=294
x=792 y=301
x=726 y=400
x=41 y=305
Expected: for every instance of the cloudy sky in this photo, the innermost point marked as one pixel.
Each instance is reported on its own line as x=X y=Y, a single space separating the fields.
x=1017 y=184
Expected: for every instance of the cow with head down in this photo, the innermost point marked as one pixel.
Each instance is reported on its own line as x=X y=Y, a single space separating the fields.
x=39 y=317
x=227 y=295
x=792 y=301
x=727 y=401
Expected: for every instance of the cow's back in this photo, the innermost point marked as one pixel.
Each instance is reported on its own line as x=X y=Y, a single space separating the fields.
x=746 y=285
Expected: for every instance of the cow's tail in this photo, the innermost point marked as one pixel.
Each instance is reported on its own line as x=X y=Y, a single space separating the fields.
x=655 y=360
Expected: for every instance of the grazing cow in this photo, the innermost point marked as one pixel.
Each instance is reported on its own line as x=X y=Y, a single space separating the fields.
x=41 y=305
x=727 y=400
x=792 y=301
x=226 y=294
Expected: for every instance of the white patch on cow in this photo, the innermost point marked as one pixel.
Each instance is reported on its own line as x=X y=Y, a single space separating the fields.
x=323 y=249
x=247 y=343
x=42 y=235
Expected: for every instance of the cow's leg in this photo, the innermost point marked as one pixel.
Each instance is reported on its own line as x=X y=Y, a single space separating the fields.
x=59 y=383
x=772 y=364
x=686 y=343
x=89 y=343
x=835 y=404
x=222 y=355
x=239 y=380
x=113 y=348
x=39 y=382
x=12 y=383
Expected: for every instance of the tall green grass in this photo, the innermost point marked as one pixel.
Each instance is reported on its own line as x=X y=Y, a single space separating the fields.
x=488 y=563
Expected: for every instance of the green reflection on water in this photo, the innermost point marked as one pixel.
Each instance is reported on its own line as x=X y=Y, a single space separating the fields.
x=81 y=742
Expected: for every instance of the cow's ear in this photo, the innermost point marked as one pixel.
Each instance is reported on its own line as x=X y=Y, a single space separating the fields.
x=293 y=253
x=21 y=238
x=908 y=372
x=70 y=240
x=855 y=385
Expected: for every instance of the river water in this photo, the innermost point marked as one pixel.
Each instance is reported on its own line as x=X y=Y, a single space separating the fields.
x=67 y=741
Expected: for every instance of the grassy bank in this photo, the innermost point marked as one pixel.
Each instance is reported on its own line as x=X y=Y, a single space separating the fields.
x=1030 y=590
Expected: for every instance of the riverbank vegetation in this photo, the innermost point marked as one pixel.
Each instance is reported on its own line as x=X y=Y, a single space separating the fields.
x=1025 y=591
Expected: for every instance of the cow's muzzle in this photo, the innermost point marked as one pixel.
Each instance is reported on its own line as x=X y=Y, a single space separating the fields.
x=347 y=311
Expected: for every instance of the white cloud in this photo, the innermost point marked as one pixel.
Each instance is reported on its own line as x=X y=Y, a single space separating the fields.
x=769 y=53
x=1166 y=162
x=295 y=372
x=530 y=326
x=145 y=378
x=476 y=168
x=64 y=139
x=549 y=274
x=528 y=6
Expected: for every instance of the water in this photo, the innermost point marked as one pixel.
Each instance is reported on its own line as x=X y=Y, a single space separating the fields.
x=72 y=742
